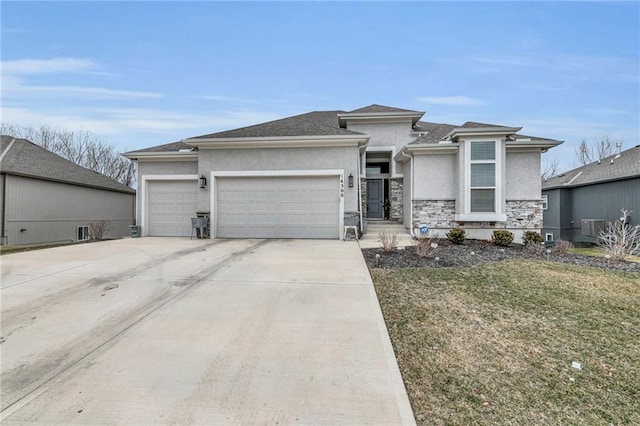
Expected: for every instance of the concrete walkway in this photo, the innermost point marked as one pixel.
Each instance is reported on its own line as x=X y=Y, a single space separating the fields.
x=179 y=331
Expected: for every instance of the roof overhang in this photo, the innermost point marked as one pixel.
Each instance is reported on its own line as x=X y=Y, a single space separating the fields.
x=426 y=149
x=482 y=131
x=279 y=142
x=528 y=144
x=162 y=156
x=125 y=190
x=379 y=117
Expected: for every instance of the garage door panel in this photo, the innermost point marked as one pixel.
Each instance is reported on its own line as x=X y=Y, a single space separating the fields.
x=171 y=205
x=278 y=207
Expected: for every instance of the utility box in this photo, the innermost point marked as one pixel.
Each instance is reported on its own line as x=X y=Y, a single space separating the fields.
x=592 y=227
x=135 y=231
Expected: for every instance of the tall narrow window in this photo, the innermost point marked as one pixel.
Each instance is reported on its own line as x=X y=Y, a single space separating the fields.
x=483 y=177
x=545 y=202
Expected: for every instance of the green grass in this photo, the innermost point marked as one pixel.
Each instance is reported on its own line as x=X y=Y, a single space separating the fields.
x=18 y=249
x=494 y=344
x=598 y=252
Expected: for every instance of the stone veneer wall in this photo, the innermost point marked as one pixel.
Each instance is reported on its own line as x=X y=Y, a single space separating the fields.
x=396 y=197
x=363 y=194
x=524 y=214
x=434 y=213
x=438 y=214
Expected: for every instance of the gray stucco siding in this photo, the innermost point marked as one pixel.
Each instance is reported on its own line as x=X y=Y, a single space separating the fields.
x=286 y=159
x=167 y=168
x=435 y=177
x=52 y=211
x=396 y=134
x=523 y=176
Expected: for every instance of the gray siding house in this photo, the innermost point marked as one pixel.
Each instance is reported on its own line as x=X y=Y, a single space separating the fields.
x=582 y=201
x=306 y=176
x=45 y=198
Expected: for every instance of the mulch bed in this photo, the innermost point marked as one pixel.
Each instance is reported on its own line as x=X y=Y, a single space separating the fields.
x=478 y=252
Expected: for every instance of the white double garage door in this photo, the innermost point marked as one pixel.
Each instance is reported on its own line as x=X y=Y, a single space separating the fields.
x=292 y=206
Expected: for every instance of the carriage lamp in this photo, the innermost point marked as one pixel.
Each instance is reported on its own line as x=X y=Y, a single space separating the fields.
x=203 y=181
x=350 y=180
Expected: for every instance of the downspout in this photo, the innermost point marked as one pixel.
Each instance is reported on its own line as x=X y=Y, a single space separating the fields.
x=4 y=208
x=360 y=189
x=410 y=157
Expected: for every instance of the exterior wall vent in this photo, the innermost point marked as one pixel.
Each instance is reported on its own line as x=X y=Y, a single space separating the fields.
x=592 y=227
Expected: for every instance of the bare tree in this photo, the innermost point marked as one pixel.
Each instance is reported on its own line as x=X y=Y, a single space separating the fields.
x=81 y=147
x=597 y=150
x=620 y=239
x=549 y=168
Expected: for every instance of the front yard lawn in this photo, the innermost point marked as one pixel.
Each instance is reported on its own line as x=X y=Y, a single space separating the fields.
x=495 y=343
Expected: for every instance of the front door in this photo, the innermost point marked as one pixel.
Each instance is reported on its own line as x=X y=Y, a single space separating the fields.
x=375 y=199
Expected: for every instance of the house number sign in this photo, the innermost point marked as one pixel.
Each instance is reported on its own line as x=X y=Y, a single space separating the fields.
x=341 y=186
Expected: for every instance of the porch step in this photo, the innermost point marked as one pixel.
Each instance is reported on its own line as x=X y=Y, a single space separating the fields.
x=372 y=238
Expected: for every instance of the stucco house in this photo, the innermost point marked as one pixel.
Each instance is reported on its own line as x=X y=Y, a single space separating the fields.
x=579 y=203
x=306 y=176
x=45 y=198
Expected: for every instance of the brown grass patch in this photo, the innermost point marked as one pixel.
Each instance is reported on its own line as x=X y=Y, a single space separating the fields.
x=494 y=344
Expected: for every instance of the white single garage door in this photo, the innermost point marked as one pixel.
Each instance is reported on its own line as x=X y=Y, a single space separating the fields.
x=278 y=207
x=171 y=205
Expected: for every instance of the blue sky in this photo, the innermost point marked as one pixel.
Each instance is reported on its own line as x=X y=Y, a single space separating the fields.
x=145 y=73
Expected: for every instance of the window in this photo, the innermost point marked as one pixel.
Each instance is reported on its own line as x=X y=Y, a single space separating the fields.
x=548 y=237
x=377 y=168
x=482 y=172
x=83 y=233
x=545 y=202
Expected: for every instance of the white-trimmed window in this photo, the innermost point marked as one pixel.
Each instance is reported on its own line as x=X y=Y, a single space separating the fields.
x=482 y=173
x=83 y=233
x=548 y=237
x=545 y=202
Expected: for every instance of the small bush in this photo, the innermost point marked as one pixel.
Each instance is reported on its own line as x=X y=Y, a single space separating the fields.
x=502 y=237
x=535 y=249
x=388 y=240
x=425 y=247
x=98 y=230
x=562 y=247
x=457 y=235
x=532 y=237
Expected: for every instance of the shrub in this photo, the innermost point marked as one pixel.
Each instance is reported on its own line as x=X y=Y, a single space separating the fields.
x=457 y=235
x=98 y=230
x=388 y=240
x=562 y=247
x=535 y=249
x=532 y=237
x=425 y=247
x=502 y=237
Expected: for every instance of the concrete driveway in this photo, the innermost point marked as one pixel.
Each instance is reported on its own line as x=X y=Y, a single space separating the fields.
x=179 y=331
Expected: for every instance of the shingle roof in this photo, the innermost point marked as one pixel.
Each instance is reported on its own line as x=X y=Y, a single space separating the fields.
x=435 y=132
x=24 y=158
x=316 y=123
x=168 y=147
x=375 y=108
x=626 y=165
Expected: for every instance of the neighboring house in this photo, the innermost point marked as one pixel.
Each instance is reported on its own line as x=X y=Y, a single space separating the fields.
x=305 y=176
x=46 y=198
x=581 y=202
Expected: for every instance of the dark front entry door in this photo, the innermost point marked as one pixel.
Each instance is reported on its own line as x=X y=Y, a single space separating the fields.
x=375 y=199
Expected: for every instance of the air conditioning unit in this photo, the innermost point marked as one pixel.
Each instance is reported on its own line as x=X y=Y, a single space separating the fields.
x=592 y=227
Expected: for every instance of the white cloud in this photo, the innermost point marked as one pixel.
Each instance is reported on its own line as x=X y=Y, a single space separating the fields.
x=16 y=84
x=46 y=66
x=451 y=100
